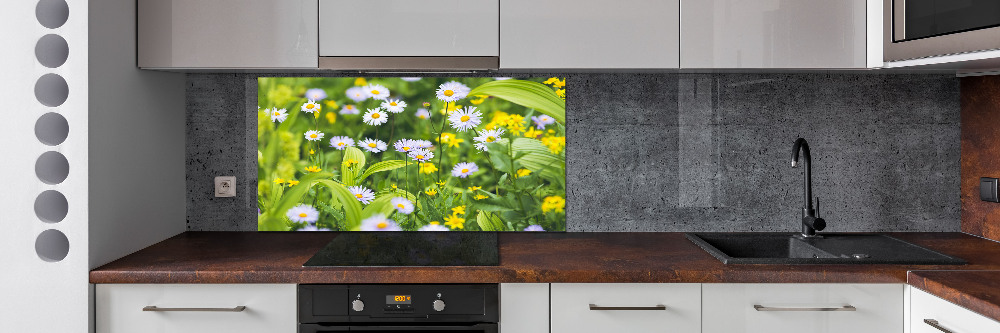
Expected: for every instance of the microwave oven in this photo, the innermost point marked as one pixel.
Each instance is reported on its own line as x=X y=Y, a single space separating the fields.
x=915 y=29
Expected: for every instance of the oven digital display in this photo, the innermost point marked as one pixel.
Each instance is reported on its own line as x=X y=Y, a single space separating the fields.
x=397 y=299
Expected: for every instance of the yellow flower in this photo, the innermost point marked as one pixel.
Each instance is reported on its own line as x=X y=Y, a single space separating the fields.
x=559 y=83
x=451 y=139
x=451 y=108
x=313 y=169
x=555 y=143
x=394 y=187
x=350 y=162
x=478 y=100
x=426 y=104
x=561 y=93
x=454 y=222
x=427 y=168
x=514 y=123
x=458 y=210
x=331 y=117
x=475 y=188
x=292 y=182
x=532 y=133
x=523 y=172
x=551 y=80
x=480 y=197
x=443 y=182
x=279 y=181
x=553 y=204
x=316 y=114
x=312 y=152
x=332 y=104
x=360 y=81
x=431 y=192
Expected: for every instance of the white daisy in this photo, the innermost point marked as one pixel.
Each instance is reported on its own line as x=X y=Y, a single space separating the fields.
x=452 y=91
x=405 y=145
x=310 y=227
x=411 y=79
x=393 y=105
x=542 y=121
x=402 y=205
x=277 y=115
x=372 y=145
x=423 y=114
x=423 y=144
x=502 y=78
x=349 y=109
x=310 y=106
x=487 y=136
x=377 y=91
x=379 y=222
x=364 y=195
x=434 y=227
x=464 y=169
x=422 y=155
x=315 y=94
x=465 y=118
x=356 y=94
x=314 y=135
x=341 y=142
x=303 y=213
x=376 y=117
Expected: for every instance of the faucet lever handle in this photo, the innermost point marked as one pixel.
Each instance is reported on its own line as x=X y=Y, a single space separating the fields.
x=817 y=206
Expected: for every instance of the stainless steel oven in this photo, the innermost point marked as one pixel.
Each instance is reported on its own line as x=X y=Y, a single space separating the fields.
x=467 y=308
x=926 y=28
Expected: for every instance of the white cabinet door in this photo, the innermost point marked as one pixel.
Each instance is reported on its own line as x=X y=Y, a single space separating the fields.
x=227 y=34
x=589 y=34
x=794 y=308
x=407 y=28
x=626 y=307
x=524 y=308
x=774 y=34
x=269 y=308
x=951 y=317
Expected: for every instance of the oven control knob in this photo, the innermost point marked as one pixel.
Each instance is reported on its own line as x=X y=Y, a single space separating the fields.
x=439 y=305
x=358 y=305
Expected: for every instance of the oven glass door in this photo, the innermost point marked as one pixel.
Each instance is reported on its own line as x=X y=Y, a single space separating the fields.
x=475 y=328
x=930 y=18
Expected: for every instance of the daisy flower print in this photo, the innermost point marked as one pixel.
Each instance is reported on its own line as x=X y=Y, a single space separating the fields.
x=465 y=119
x=362 y=194
x=393 y=105
x=402 y=205
x=379 y=222
x=310 y=107
x=278 y=115
x=357 y=94
x=315 y=94
x=487 y=136
x=372 y=145
x=377 y=91
x=303 y=213
x=405 y=145
x=464 y=169
x=314 y=135
x=423 y=114
x=542 y=121
x=349 y=109
x=452 y=91
x=376 y=117
x=421 y=155
x=341 y=142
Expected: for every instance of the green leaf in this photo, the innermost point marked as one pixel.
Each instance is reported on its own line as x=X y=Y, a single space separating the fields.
x=526 y=93
x=352 y=208
x=489 y=222
x=538 y=158
x=349 y=175
x=273 y=219
x=382 y=166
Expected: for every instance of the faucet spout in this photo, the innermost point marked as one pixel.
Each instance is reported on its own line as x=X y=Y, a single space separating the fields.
x=810 y=222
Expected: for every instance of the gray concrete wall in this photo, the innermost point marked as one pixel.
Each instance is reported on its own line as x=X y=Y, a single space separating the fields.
x=683 y=152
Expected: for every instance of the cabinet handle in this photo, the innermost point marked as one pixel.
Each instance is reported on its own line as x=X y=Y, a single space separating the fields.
x=759 y=307
x=629 y=308
x=935 y=324
x=233 y=309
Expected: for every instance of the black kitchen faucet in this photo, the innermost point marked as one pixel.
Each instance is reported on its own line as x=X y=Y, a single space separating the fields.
x=810 y=222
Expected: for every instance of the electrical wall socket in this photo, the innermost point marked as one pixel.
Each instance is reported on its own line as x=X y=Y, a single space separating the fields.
x=225 y=186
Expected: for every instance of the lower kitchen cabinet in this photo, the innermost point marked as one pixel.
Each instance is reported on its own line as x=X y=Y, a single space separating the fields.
x=196 y=308
x=626 y=307
x=524 y=308
x=802 y=308
x=930 y=314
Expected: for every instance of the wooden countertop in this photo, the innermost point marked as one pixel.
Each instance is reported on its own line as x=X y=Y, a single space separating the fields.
x=978 y=291
x=277 y=257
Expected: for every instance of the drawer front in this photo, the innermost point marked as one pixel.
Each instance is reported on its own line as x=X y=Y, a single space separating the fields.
x=406 y=28
x=730 y=308
x=572 y=311
x=949 y=316
x=269 y=308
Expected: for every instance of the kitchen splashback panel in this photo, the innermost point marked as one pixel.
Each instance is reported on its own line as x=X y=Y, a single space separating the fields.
x=683 y=152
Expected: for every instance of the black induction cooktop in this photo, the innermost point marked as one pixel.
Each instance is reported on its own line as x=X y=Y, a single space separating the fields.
x=403 y=248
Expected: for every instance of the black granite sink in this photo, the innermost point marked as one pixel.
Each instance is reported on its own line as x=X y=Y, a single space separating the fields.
x=830 y=249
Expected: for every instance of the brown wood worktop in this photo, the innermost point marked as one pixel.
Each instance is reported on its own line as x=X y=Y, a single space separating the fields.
x=277 y=257
x=978 y=291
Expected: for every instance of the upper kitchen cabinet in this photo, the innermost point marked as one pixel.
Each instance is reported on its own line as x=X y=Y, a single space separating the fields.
x=406 y=34
x=220 y=34
x=575 y=34
x=780 y=34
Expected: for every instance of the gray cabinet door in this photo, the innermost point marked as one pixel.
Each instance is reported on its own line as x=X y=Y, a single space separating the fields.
x=227 y=34
x=584 y=34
